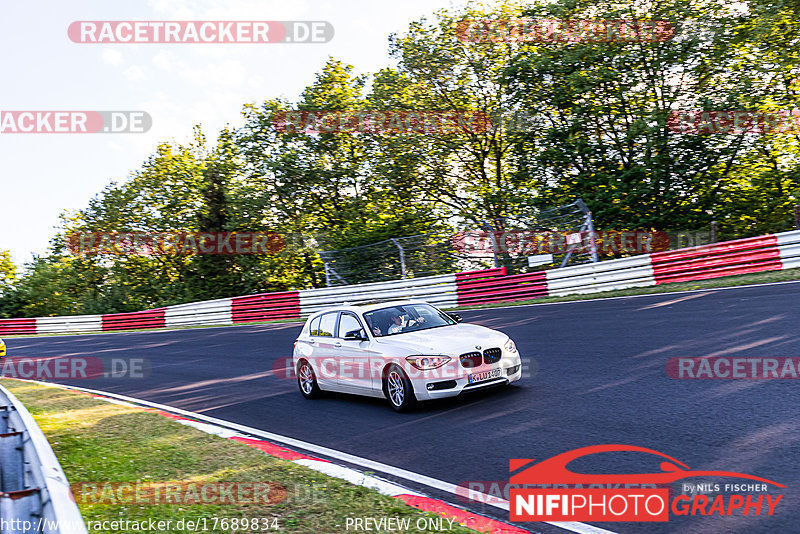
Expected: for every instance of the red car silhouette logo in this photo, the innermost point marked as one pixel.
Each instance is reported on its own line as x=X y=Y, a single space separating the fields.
x=554 y=470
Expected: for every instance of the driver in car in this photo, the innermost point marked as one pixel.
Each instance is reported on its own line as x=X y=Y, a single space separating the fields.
x=401 y=322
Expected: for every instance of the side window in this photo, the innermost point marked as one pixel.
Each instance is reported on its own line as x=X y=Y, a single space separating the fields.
x=348 y=323
x=327 y=324
x=314 y=329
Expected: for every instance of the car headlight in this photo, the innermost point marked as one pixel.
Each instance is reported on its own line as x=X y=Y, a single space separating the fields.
x=510 y=347
x=426 y=363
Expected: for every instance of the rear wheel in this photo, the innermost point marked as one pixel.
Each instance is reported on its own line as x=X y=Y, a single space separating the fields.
x=398 y=390
x=307 y=381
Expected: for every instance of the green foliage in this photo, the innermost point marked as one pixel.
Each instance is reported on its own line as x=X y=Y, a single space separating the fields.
x=327 y=187
x=8 y=271
x=600 y=110
x=595 y=127
x=469 y=173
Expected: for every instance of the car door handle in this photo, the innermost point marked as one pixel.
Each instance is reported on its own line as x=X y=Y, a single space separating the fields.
x=337 y=344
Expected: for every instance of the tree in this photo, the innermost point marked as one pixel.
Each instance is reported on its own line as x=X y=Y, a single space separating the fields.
x=601 y=114
x=467 y=174
x=325 y=186
x=765 y=187
x=8 y=271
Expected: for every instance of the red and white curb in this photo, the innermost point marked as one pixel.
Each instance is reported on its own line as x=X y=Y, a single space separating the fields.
x=244 y=435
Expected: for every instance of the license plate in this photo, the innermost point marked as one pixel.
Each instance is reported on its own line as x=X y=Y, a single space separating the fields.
x=486 y=375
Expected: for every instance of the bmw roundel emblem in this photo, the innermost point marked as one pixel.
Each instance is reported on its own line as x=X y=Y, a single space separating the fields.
x=478 y=347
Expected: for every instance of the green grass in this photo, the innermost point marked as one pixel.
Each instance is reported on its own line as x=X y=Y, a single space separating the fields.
x=99 y=442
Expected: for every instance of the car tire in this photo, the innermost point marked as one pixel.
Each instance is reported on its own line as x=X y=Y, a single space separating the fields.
x=398 y=390
x=307 y=381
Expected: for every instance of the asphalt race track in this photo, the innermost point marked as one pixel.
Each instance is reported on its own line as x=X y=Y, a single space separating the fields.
x=601 y=379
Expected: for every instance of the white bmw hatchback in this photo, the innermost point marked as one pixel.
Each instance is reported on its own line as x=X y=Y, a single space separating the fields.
x=405 y=351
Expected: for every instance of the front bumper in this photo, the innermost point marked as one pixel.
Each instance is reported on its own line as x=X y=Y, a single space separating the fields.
x=451 y=385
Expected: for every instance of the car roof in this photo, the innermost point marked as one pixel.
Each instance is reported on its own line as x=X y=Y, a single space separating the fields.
x=363 y=307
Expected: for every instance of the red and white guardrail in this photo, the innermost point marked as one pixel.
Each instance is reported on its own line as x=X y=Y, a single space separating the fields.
x=751 y=255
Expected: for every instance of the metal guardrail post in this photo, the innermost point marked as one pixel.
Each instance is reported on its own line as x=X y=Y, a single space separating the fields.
x=327 y=274
x=3 y=419
x=489 y=228
x=592 y=240
x=33 y=487
x=12 y=462
x=330 y=272
x=586 y=226
x=402 y=258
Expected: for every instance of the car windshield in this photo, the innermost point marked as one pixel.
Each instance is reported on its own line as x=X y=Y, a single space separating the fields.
x=405 y=318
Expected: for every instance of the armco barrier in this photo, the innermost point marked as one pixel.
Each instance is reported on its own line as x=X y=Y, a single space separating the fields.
x=18 y=326
x=199 y=313
x=751 y=255
x=476 y=287
x=608 y=275
x=265 y=307
x=33 y=487
x=743 y=256
x=134 y=320
x=789 y=248
x=438 y=290
x=71 y=324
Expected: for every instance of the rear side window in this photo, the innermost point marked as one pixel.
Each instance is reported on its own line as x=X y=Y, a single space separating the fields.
x=327 y=324
x=314 y=329
x=348 y=323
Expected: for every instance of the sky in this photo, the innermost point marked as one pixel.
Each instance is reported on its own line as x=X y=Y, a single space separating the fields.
x=178 y=85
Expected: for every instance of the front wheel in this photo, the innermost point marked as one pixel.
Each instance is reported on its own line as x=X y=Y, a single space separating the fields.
x=307 y=381
x=398 y=390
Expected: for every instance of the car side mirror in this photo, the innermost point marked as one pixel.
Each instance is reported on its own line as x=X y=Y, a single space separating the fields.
x=355 y=335
x=456 y=317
